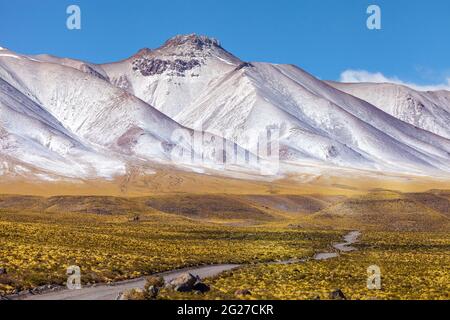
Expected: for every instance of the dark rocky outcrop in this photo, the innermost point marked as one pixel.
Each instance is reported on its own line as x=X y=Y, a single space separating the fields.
x=153 y=66
x=196 y=41
x=244 y=65
x=337 y=295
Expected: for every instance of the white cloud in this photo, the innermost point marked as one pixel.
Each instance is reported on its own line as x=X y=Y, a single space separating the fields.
x=355 y=76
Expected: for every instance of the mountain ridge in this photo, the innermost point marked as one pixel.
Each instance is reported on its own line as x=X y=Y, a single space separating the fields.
x=132 y=107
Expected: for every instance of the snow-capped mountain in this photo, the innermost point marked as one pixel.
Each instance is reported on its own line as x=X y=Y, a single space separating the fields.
x=427 y=110
x=198 y=83
x=79 y=119
x=52 y=111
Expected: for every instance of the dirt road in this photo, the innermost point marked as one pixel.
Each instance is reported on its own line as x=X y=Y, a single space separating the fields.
x=110 y=292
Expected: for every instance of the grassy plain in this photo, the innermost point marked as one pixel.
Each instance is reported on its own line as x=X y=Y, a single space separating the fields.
x=117 y=238
x=414 y=266
x=37 y=247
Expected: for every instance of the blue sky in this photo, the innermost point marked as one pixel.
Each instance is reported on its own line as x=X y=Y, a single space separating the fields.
x=325 y=37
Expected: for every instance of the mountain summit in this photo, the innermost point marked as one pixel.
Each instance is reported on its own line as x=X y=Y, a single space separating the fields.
x=194 y=41
x=188 y=46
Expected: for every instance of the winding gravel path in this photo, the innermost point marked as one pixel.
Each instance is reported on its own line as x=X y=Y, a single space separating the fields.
x=345 y=246
x=110 y=292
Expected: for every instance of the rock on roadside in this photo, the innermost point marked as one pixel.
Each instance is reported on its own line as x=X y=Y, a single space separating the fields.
x=337 y=295
x=188 y=283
